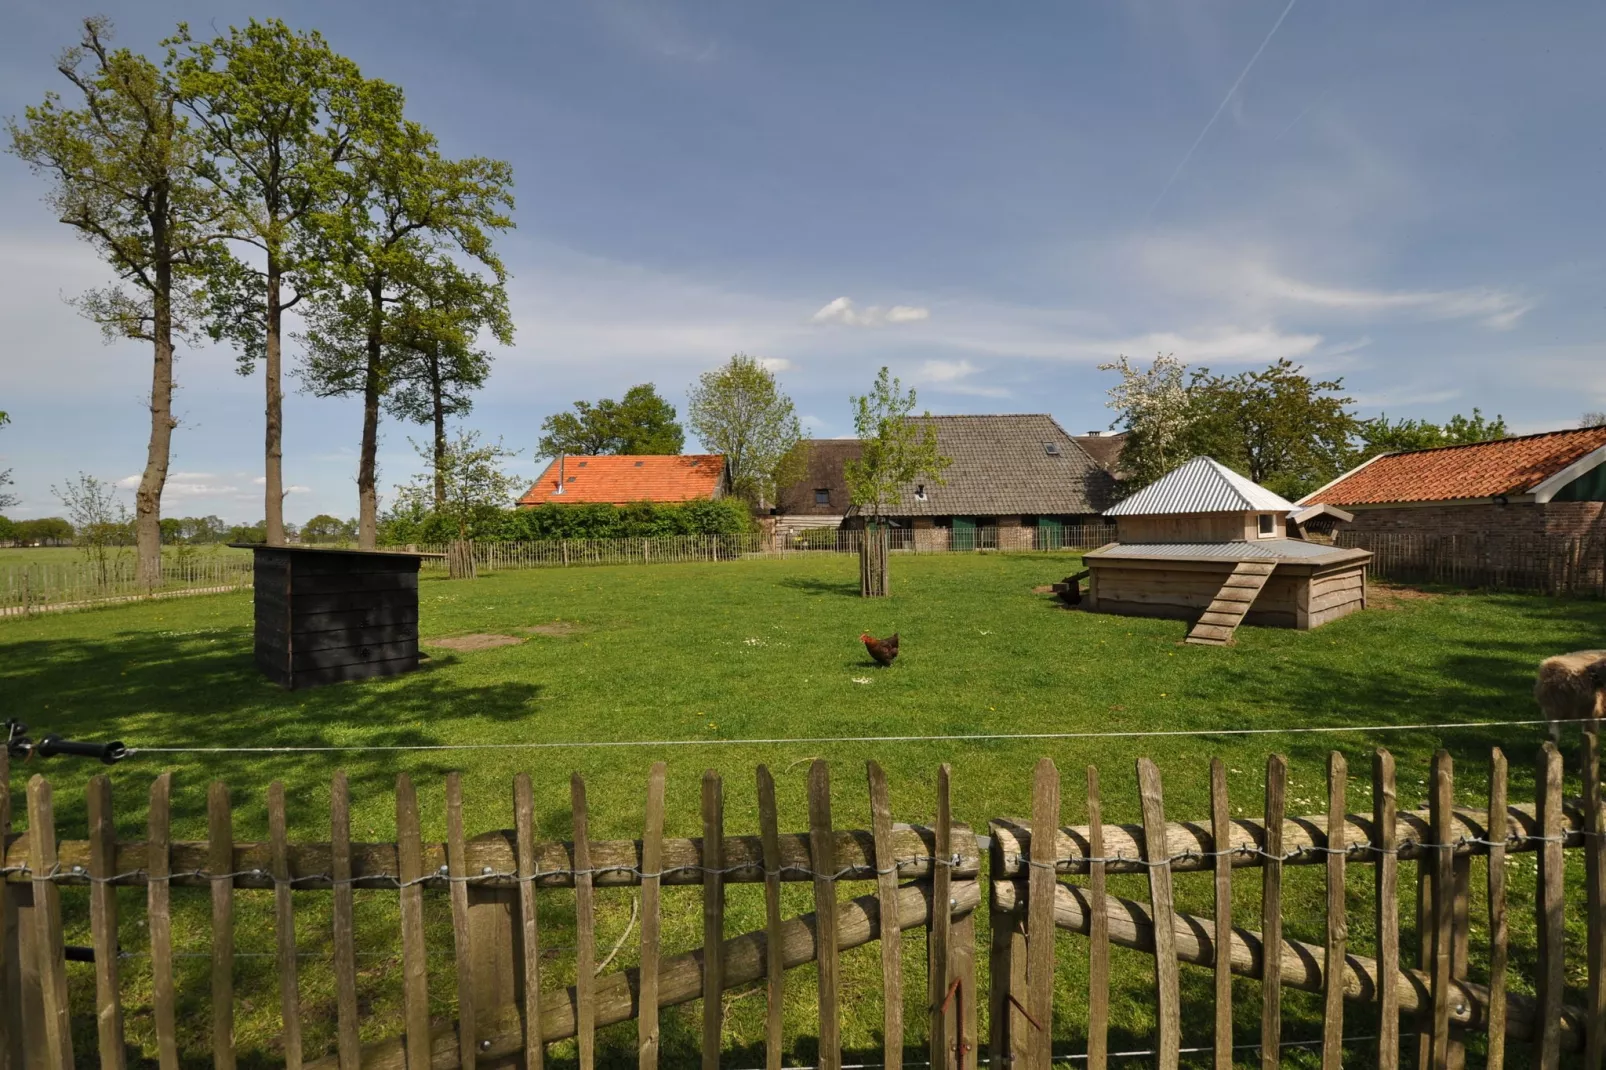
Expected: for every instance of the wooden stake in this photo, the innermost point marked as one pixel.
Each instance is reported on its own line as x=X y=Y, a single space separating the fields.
x=941 y=1034
x=1040 y=915
x=47 y=938
x=1337 y=923
x=1167 y=983
x=1220 y=835
x=1594 y=891
x=713 y=917
x=529 y=924
x=415 y=947
x=220 y=860
x=1271 y=915
x=774 y=969
x=822 y=845
x=1498 y=933
x=462 y=941
x=1385 y=843
x=347 y=1036
x=284 y=927
x=1098 y=939
x=585 y=981
x=887 y=890
x=1549 y=900
x=103 y=923
x=157 y=870
x=652 y=860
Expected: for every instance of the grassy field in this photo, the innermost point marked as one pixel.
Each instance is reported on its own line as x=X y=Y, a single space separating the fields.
x=19 y=556
x=700 y=654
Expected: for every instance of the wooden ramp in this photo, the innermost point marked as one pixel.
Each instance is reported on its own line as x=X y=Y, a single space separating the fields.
x=1231 y=603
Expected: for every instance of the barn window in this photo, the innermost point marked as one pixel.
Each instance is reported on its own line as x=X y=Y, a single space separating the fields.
x=920 y=492
x=1268 y=525
x=822 y=495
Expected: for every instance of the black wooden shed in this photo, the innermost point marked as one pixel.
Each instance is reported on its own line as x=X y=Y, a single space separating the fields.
x=327 y=615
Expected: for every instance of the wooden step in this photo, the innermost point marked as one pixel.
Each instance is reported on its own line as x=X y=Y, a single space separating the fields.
x=1239 y=594
x=1216 y=625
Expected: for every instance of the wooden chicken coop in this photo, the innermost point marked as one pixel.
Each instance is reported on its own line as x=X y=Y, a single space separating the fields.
x=326 y=615
x=1203 y=543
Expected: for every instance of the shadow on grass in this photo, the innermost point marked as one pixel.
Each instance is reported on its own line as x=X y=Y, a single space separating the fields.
x=810 y=585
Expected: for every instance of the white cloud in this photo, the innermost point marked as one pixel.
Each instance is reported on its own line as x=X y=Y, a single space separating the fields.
x=842 y=311
x=775 y=364
x=952 y=377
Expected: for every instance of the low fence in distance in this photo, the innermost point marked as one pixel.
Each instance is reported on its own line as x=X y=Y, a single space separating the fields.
x=1552 y=564
x=507 y=1010
x=44 y=586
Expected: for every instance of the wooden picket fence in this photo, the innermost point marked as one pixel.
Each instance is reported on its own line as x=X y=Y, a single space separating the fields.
x=1551 y=564
x=921 y=877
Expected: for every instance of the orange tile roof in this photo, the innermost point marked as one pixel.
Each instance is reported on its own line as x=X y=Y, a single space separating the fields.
x=626 y=479
x=1508 y=466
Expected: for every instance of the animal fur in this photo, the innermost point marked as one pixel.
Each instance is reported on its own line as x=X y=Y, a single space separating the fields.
x=1571 y=687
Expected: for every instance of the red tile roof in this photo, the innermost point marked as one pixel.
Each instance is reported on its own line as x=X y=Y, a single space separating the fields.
x=1508 y=466
x=627 y=479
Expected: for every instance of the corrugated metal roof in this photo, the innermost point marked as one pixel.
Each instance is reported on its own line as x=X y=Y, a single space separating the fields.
x=1202 y=485
x=1264 y=550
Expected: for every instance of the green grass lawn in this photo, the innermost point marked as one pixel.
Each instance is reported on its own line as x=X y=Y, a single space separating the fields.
x=19 y=556
x=768 y=649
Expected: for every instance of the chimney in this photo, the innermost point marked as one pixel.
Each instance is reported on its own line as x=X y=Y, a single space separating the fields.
x=560 y=475
x=1094 y=434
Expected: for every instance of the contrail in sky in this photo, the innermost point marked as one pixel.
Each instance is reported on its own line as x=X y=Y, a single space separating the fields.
x=1220 y=108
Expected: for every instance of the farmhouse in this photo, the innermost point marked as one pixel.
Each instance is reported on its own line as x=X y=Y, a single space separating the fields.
x=820 y=498
x=625 y=480
x=1105 y=448
x=1203 y=543
x=1016 y=482
x=1546 y=484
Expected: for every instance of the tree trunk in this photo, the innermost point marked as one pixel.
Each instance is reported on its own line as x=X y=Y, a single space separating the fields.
x=148 y=498
x=460 y=559
x=273 y=453
x=367 y=498
x=439 y=404
x=874 y=579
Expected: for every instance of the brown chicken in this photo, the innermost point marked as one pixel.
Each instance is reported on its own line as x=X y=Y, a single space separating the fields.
x=882 y=650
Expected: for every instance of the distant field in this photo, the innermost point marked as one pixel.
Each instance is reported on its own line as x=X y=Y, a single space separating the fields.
x=18 y=556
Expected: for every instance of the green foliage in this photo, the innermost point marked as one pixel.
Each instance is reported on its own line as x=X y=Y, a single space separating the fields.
x=1280 y=428
x=8 y=530
x=100 y=521
x=640 y=423
x=643 y=520
x=193 y=530
x=898 y=450
x=7 y=499
x=44 y=531
x=1381 y=435
x=326 y=528
x=738 y=411
x=474 y=480
x=248 y=533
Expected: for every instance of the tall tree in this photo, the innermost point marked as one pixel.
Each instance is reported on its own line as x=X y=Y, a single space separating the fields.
x=738 y=410
x=640 y=423
x=1152 y=407
x=441 y=364
x=123 y=165
x=898 y=449
x=1277 y=426
x=1592 y=419
x=99 y=519
x=402 y=207
x=1382 y=435
x=276 y=111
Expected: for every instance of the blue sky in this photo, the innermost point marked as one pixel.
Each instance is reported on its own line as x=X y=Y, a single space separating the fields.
x=1407 y=195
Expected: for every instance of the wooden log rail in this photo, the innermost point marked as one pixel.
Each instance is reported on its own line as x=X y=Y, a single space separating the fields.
x=613 y=863
x=500 y=1031
x=1192 y=846
x=1303 y=966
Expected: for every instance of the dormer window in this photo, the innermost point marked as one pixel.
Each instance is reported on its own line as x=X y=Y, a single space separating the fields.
x=920 y=492
x=1268 y=525
x=1051 y=448
x=822 y=495
x=582 y=464
x=570 y=479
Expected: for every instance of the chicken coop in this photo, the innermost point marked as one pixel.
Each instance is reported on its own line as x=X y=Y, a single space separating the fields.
x=325 y=615
x=1203 y=543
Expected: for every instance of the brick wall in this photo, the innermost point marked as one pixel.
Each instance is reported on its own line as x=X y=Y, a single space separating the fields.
x=1519 y=518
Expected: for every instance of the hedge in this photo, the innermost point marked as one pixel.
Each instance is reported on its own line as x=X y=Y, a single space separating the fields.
x=726 y=516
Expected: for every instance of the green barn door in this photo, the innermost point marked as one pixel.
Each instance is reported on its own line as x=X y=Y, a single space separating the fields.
x=964 y=536
x=1050 y=533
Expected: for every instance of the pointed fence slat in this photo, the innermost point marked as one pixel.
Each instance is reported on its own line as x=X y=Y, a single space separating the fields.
x=220 y=860
x=585 y=925
x=822 y=844
x=1167 y=982
x=1384 y=844
x=347 y=1037
x=529 y=924
x=103 y=924
x=1271 y=915
x=1442 y=803
x=652 y=860
x=158 y=866
x=941 y=1033
x=1098 y=938
x=713 y=917
x=415 y=949
x=887 y=889
x=1220 y=835
x=1595 y=898
x=284 y=927
x=462 y=941
x=1498 y=928
x=1040 y=915
x=774 y=970
x=1549 y=899
x=1337 y=925
x=48 y=945
x=10 y=983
